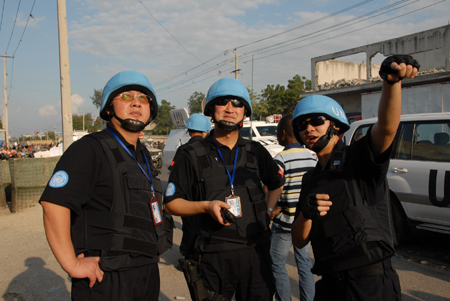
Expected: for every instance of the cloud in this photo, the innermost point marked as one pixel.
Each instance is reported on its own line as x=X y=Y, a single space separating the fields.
x=48 y=110
x=77 y=101
x=192 y=41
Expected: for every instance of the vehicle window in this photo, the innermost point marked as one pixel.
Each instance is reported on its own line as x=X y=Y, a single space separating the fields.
x=245 y=132
x=404 y=143
x=431 y=142
x=360 y=132
x=267 y=130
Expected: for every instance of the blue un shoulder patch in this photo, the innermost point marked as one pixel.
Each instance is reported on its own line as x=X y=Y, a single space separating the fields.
x=59 y=179
x=170 y=190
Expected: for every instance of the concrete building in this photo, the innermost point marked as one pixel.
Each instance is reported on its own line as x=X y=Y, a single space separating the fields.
x=347 y=81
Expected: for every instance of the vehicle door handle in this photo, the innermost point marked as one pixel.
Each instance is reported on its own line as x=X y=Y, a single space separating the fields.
x=400 y=170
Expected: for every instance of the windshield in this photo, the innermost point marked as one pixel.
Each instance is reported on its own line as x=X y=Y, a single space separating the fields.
x=263 y=130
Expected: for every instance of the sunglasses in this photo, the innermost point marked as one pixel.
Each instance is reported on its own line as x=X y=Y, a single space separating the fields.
x=224 y=102
x=129 y=97
x=314 y=121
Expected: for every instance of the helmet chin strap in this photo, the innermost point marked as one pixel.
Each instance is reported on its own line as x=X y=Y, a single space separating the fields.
x=230 y=126
x=325 y=139
x=129 y=124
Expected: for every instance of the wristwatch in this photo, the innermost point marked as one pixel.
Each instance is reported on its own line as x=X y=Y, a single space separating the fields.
x=270 y=210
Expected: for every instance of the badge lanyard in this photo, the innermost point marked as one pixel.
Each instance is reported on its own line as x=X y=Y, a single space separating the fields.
x=149 y=176
x=234 y=168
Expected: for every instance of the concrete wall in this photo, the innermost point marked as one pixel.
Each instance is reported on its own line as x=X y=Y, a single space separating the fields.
x=431 y=48
x=333 y=70
x=28 y=178
x=5 y=181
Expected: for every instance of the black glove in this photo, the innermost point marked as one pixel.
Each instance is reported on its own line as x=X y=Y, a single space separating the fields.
x=309 y=207
x=386 y=69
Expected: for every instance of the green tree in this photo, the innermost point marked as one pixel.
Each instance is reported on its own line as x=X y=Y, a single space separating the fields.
x=272 y=99
x=279 y=100
x=163 y=121
x=195 y=102
x=256 y=111
x=97 y=98
x=51 y=135
x=90 y=124
x=299 y=83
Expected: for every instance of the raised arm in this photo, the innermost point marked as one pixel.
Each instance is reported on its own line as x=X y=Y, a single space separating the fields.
x=392 y=71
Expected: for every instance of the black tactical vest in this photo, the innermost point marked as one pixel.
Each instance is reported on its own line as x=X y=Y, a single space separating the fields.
x=354 y=232
x=214 y=184
x=127 y=231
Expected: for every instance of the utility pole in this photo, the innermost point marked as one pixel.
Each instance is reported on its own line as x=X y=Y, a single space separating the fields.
x=5 y=101
x=236 y=65
x=66 y=103
x=236 y=70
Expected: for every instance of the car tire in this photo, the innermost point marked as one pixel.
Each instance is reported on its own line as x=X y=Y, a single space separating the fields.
x=399 y=220
x=159 y=164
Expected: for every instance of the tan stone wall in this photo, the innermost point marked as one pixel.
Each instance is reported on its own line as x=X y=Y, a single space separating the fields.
x=334 y=70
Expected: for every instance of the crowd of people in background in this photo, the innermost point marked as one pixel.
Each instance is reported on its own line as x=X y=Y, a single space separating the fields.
x=23 y=151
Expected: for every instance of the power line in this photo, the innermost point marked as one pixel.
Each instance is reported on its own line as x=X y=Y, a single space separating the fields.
x=295 y=28
x=185 y=72
x=363 y=17
x=29 y=16
x=416 y=10
x=193 y=83
x=14 y=25
x=3 y=10
x=194 y=76
x=335 y=27
x=12 y=64
x=169 y=32
x=309 y=23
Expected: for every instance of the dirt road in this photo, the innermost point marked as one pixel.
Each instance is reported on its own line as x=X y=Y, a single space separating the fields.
x=28 y=270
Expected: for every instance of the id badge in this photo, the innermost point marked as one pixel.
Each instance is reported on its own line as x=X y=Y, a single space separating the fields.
x=156 y=212
x=235 y=203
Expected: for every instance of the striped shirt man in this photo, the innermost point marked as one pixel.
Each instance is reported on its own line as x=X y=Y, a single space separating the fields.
x=295 y=161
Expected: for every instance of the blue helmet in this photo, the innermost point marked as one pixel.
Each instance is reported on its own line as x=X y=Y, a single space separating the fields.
x=230 y=88
x=319 y=105
x=124 y=81
x=199 y=123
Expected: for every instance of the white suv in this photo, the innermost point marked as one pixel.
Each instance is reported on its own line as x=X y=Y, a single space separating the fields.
x=419 y=171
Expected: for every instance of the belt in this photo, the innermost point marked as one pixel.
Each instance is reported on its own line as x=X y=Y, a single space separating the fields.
x=98 y=253
x=368 y=270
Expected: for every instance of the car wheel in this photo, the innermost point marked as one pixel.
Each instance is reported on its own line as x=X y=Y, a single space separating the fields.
x=159 y=164
x=400 y=221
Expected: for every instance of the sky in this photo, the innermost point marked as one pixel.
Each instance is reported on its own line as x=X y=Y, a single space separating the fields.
x=184 y=46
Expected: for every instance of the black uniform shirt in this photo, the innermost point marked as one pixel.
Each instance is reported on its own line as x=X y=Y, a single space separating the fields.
x=183 y=177
x=368 y=171
x=90 y=182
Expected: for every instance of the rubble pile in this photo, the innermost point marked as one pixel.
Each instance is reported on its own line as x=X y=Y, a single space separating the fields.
x=342 y=83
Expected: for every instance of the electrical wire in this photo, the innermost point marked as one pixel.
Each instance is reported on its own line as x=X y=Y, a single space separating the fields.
x=14 y=25
x=333 y=27
x=392 y=6
x=168 y=32
x=295 y=28
x=12 y=64
x=309 y=23
x=3 y=10
x=346 y=33
x=29 y=16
